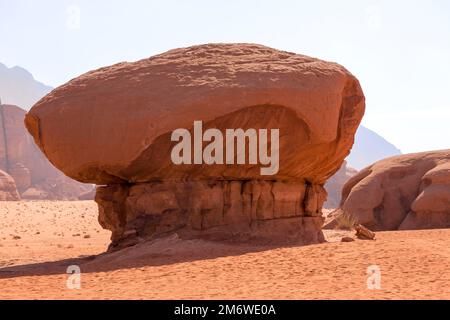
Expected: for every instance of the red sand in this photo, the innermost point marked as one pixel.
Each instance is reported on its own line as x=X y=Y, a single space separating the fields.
x=414 y=264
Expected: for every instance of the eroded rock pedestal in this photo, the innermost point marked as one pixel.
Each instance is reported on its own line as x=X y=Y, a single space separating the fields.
x=220 y=210
x=113 y=126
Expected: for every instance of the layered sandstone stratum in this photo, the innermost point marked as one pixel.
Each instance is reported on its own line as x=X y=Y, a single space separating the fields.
x=411 y=191
x=113 y=127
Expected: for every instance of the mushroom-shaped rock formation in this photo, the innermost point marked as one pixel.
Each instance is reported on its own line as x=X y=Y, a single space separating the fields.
x=411 y=191
x=8 y=189
x=115 y=127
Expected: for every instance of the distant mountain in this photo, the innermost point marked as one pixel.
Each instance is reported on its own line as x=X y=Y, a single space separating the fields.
x=368 y=148
x=18 y=87
x=335 y=183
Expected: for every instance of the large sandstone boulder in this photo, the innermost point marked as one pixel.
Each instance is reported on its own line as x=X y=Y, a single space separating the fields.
x=8 y=190
x=404 y=192
x=26 y=164
x=113 y=127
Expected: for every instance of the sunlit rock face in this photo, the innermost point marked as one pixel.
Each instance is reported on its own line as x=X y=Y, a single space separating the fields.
x=411 y=191
x=114 y=127
x=34 y=176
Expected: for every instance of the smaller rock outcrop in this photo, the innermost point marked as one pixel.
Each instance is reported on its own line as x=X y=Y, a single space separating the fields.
x=8 y=190
x=364 y=233
x=411 y=191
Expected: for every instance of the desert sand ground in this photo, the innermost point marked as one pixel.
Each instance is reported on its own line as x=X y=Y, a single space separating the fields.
x=39 y=239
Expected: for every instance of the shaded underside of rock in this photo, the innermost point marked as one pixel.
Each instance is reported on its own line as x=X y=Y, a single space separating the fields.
x=113 y=127
x=404 y=192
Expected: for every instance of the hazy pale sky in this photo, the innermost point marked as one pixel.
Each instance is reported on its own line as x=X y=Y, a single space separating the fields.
x=399 y=50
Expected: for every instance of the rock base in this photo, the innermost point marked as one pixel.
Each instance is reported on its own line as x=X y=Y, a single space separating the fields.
x=426 y=220
x=268 y=211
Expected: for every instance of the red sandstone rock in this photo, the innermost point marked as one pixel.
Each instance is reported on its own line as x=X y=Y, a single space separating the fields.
x=113 y=126
x=8 y=190
x=132 y=108
x=404 y=192
x=212 y=209
x=22 y=159
x=364 y=233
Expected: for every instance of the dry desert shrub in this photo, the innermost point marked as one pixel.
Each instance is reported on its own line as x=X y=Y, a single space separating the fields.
x=346 y=221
